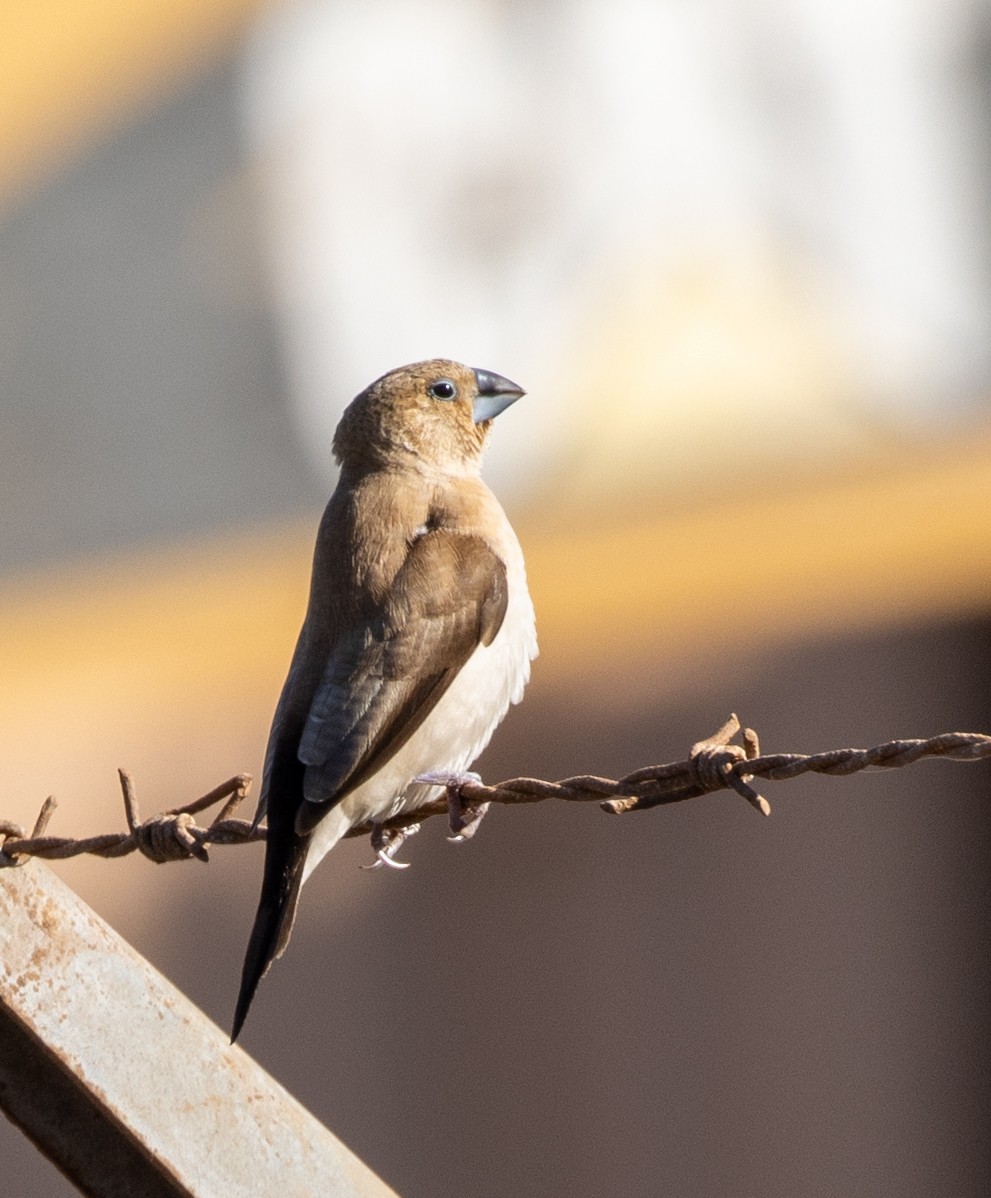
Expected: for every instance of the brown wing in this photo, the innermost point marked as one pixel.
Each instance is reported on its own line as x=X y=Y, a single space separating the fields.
x=387 y=674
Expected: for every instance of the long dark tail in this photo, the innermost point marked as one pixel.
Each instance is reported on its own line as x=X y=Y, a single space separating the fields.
x=285 y=856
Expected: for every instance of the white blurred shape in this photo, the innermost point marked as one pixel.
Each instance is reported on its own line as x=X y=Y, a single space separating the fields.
x=900 y=222
x=518 y=185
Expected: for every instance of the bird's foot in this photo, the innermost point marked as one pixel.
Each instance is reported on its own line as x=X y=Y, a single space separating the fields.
x=463 y=817
x=386 y=842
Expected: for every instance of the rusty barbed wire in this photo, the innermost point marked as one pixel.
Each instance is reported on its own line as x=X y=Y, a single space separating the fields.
x=713 y=764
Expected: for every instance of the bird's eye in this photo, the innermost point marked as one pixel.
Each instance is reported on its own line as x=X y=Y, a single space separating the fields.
x=442 y=389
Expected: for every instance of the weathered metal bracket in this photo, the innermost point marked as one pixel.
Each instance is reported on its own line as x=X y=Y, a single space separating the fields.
x=125 y=1085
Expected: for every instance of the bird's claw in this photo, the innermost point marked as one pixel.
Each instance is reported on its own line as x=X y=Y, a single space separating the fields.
x=448 y=778
x=463 y=817
x=386 y=842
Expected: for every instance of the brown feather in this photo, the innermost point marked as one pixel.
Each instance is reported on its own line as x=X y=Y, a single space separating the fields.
x=449 y=597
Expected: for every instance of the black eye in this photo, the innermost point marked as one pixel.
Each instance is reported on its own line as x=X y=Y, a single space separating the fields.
x=442 y=389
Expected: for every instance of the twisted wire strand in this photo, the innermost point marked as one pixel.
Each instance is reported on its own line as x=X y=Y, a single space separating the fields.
x=714 y=763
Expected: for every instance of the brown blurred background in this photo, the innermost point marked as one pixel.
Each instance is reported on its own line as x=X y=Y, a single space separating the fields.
x=739 y=256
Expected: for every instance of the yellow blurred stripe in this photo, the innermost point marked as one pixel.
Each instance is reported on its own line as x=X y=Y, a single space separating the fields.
x=876 y=546
x=227 y=608
x=73 y=69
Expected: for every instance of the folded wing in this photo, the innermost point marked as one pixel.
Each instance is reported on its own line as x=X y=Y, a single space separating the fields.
x=387 y=674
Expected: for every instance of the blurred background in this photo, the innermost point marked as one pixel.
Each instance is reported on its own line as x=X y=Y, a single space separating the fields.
x=739 y=255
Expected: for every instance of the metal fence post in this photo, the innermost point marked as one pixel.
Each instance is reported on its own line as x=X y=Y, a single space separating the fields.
x=127 y=1086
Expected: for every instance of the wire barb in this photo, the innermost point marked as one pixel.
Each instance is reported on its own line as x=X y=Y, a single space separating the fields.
x=169 y=836
x=714 y=763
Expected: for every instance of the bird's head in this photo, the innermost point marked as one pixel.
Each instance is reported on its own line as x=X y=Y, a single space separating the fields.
x=437 y=413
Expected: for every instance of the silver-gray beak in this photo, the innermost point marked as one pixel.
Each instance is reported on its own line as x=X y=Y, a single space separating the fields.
x=495 y=394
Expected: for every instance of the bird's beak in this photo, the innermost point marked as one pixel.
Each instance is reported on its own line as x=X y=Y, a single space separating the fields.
x=495 y=394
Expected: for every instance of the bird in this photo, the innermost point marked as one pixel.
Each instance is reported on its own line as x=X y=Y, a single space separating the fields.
x=418 y=635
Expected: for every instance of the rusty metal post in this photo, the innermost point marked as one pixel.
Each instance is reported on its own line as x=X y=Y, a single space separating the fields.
x=129 y=1088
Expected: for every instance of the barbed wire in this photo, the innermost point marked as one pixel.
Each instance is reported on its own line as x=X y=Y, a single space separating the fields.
x=713 y=764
